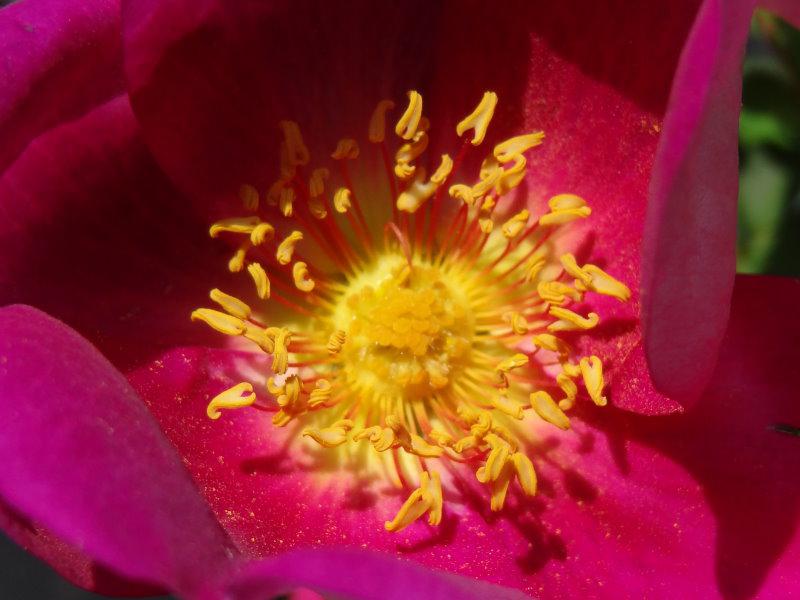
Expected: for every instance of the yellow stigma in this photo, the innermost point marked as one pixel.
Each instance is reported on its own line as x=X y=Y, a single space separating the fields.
x=413 y=323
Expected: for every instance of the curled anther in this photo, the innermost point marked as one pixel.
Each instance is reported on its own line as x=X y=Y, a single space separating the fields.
x=238 y=396
x=330 y=437
x=407 y=124
x=346 y=149
x=230 y=304
x=592 y=372
x=342 y=200
x=377 y=123
x=336 y=341
x=478 y=120
x=286 y=247
x=302 y=280
x=514 y=226
x=571 y=321
x=260 y=278
x=425 y=499
x=249 y=197
x=321 y=393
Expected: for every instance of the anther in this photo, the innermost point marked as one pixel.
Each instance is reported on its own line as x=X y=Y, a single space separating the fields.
x=286 y=247
x=234 y=225
x=302 y=281
x=342 y=200
x=236 y=263
x=280 y=356
x=417 y=193
x=407 y=125
x=330 y=437
x=285 y=201
x=260 y=278
x=526 y=475
x=514 y=226
x=505 y=405
x=231 y=305
x=479 y=119
x=592 y=371
x=507 y=151
x=296 y=151
x=544 y=406
x=462 y=192
x=263 y=232
x=565 y=208
x=249 y=197
x=220 y=321
x=570 y=321
x=238 y=396
x=426 y=498
x=557 y=292
x=346 y=149
x=336 y=341
x=377 y=123
x=443 y=171
x=512 y=362
x=321 y=393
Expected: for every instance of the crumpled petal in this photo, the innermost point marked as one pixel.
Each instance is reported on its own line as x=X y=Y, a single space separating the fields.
x=60 y=58
x=83 y=457
x=690 y=235
x=360 y=575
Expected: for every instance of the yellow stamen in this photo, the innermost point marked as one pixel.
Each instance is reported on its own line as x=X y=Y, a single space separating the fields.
x=316 y=183
x=525 y=473
x=260 y=278
x=544 y=406
x=569 y=387
x=249 y=197
x=592 y=371
x=377 y=123
x=511 y=177
x=231 y=305
x=231 y=398
x=234 y=225
x=417 y=193
x=236 y=263
x=336 y=341
x=296 y=151
x=550 y=342
x=479 y=119
x=571 y=266
x=321 y=393
x=507 y=406
x=514 y=226
x=603 y=283
x=507 y=151
x=440 y=175
x=220 y=321
x=342 y=200
x=263 y=232
x=286 y=247
x=426 y=498
x=486 y=225
x=302 y=281
x=330 y=437
x=557 y=292
x=518 y=323
x=570 y=321
x=280 y=356
x=565 y=208
x=462 y=192
x=285 y=201
x=407 y=125
x=346 y=149
x=512 y=362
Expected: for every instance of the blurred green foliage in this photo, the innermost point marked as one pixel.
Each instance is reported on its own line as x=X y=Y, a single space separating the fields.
x=769 y=150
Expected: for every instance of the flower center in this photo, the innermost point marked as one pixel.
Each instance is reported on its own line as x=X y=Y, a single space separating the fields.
x=409 y=329
x=444 y=345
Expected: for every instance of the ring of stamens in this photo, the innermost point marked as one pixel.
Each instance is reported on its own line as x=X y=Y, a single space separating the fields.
x=415 y=346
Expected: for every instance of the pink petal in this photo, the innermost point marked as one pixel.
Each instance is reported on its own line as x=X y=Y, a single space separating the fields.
x=84 y=458
x=689 y=245
x=359 y=575
x=93 y=233
x=60 y=59
x=692 y=505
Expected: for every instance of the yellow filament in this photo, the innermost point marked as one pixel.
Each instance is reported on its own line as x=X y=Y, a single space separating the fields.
x=330 y=437
x=336 y=341
x=249 y=197
x=514 y=226
x=296 y=152
x=508 y=150
x=238 y=396
x=231 y=305
x=377 y=123
x=260 y=278
x=479 y=119
x=570 y=321
x=346 y=149
x=286 y=247
x=407 y=125
x=592 y=371
x=302 y=281
x=220 y=321
x=234 y=225
x=342 y=200
x=544 y=406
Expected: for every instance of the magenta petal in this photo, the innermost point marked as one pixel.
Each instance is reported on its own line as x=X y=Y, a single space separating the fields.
x=360 y=575
x=60 y=58
x=84 y=458
x=690 y=234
